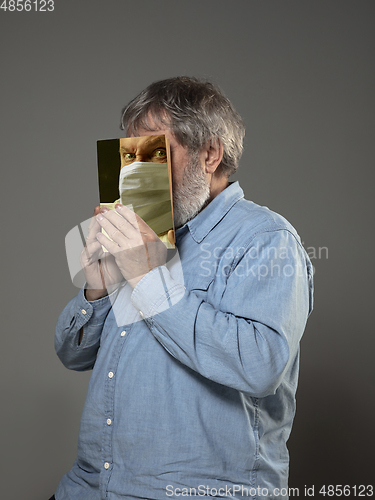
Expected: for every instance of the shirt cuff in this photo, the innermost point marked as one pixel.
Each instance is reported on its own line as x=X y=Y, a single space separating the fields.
x=93 y=310
x=156 y=292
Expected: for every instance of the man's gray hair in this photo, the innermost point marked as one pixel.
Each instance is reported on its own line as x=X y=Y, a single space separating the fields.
x=195 y=111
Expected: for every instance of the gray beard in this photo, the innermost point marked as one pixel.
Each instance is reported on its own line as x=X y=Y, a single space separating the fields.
x=192 y=194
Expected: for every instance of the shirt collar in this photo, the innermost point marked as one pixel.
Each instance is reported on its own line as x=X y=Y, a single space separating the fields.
x=206 y=220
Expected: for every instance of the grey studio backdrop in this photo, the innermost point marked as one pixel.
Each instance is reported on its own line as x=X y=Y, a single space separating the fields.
x=302 y=76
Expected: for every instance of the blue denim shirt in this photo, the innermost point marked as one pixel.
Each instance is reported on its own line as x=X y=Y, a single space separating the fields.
x=195 y=370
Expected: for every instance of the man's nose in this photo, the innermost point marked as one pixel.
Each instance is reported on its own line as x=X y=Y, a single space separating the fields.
x=141 y=157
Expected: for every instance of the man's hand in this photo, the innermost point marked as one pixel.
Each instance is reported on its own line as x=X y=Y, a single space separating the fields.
x=136 y=248
x=100 y=269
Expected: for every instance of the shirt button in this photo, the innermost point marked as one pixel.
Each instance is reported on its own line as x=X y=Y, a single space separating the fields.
x=141 y=313
x=83 y=311
x=106 y=465
x=123 y=333
x=110 y=374
x=109 y=421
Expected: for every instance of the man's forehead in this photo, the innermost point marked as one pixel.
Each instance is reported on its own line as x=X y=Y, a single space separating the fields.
x=144 y=141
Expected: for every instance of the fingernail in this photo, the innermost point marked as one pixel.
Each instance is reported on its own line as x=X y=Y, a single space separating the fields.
x=99 y=217
x=104 y=210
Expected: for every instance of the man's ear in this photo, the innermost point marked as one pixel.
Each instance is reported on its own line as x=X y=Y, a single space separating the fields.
x=213 y=155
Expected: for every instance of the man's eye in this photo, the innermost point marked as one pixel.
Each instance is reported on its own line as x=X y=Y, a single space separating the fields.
x=160 y=153
x=129 y=156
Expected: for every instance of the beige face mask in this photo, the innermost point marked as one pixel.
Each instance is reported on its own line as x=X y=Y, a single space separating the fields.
x=145 y=186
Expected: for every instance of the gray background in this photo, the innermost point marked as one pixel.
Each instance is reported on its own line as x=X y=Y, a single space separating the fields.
x=302 y=76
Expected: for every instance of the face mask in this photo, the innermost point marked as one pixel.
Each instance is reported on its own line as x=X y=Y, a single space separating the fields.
x=145 y=186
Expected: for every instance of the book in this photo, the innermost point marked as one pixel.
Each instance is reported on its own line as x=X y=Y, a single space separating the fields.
x=136 y=172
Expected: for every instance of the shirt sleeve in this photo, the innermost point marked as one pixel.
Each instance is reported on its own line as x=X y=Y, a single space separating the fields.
x=251 y=338
x=80 y=314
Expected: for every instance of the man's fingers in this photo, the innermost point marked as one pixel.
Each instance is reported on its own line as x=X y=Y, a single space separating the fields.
x=111 y=228
x=92 y=245
x=120 y=229
x=137 y=223
x=123 y=219
x=94 y=226
x=127 y=214
x=111 y=246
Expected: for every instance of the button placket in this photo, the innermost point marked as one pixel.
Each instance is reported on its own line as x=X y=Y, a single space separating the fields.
x=113 y=362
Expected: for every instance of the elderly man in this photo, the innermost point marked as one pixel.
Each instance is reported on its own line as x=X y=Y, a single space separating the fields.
x=195 y=363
